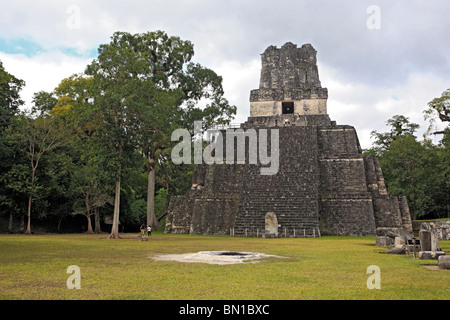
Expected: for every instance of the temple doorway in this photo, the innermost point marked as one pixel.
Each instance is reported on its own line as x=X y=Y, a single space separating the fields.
x=287 y=107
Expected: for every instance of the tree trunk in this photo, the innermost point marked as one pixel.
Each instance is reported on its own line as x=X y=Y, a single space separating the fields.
x=28 y=231
x=60 y=219
x=97 y=220
x=448 y=205
x=33 y=174
x=10 y=225
x=22 y=223
x=88 y=213
x=115 y=227
x=89 y=230
x=151 y=217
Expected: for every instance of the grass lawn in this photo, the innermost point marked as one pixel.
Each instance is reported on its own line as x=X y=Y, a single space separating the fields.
x=35 y=267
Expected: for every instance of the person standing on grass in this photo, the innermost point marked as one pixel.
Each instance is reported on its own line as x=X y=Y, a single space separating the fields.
x=149 y=231
x=142 y=230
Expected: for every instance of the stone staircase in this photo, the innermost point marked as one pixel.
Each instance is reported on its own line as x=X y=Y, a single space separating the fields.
x=291 y=194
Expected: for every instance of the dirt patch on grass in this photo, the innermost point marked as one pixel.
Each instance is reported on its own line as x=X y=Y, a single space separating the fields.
x=433 y=267
x=215 y=257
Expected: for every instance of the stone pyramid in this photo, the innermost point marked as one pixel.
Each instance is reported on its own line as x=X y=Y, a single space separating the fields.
x=323 y=183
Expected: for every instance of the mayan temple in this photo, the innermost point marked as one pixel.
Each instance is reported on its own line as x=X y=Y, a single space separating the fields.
x=324 y=185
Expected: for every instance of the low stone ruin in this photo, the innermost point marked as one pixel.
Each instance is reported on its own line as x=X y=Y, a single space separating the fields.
x=444 y=262
x=442 y=228
x=426 y=247
x=429 y=242
x=396 y=237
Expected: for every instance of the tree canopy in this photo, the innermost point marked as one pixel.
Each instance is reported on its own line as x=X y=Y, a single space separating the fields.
x=417 y=169
x=114 y=121
x=439 y=107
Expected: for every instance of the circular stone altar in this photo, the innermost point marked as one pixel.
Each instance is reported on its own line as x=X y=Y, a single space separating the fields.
x=214 y=257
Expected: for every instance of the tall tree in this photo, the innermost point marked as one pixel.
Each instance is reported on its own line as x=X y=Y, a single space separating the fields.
x=439 y=107
x=38 y=135
x=411 y=167
x=10 y=102
x=148 y=87
x=75 y=105
x=399 y=126
x=444 y=155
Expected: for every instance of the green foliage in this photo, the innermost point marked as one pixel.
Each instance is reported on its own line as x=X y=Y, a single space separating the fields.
x=412 y=168
x=161 y=201
x=15 y=185
x=444 y=155
x=399 y=127
x=418 y=170
x=439 y=107
x=10 y=101
x=17 y=178
x=43 y=102
x=11 y=164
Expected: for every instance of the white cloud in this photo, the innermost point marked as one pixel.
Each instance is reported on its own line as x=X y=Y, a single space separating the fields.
x=42 y=72
x=367 y=108
x=238 y=79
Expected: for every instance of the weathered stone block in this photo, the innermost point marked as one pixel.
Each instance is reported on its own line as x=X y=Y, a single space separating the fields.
x=444 y=262
x=442 y=228
x=431 y=227
x=399 y=242
x=396 y=251
x=271 y=224
x=430 y=254
x=425 y=240
x=392 y=232
x=384 y=241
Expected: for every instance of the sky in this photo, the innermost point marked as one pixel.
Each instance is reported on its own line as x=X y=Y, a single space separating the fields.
x=376 y=58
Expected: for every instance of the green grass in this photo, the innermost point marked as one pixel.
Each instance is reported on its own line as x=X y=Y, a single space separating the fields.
x=34 y=267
